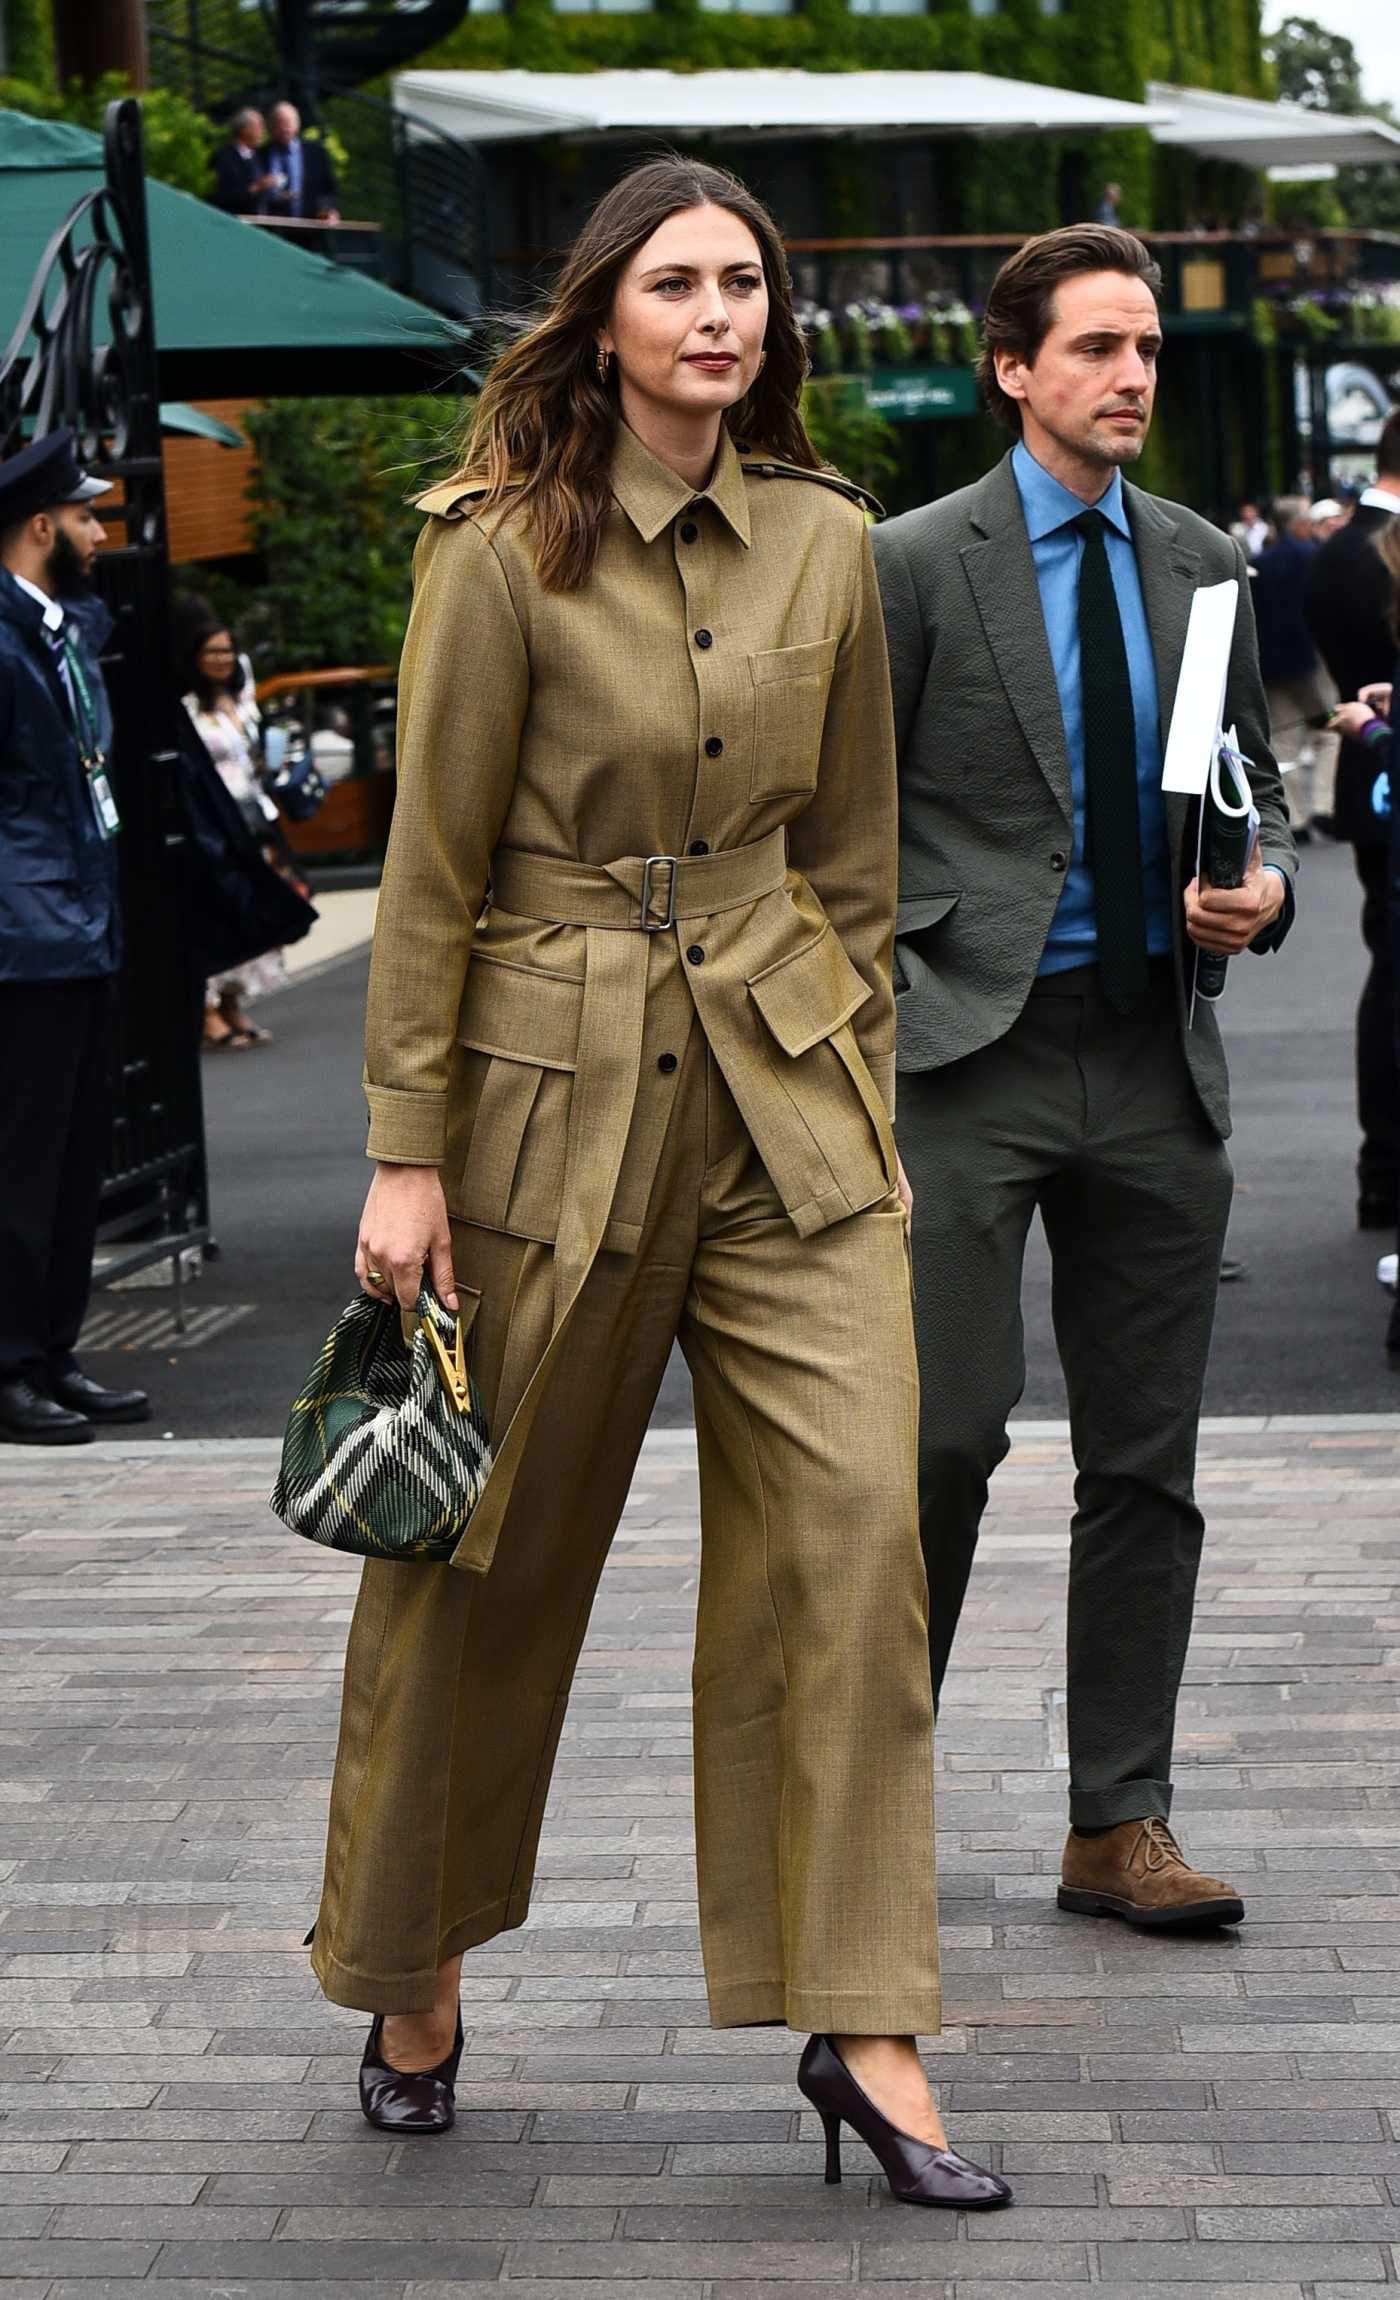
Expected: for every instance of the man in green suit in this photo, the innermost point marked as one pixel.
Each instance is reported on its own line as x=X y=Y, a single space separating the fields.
x=1049 y=913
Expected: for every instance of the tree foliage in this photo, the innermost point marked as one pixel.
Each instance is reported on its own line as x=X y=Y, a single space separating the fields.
x=1322 y=70
x=1314 y=66
x=178 y=138
x=331 y=497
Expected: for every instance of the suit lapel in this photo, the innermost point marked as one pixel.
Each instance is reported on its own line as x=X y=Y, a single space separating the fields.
x=1170 y=575
x=1002 y=577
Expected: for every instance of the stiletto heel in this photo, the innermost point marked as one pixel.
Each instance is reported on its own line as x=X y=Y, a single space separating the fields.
x=917 y=2172
x=407 y=2100
x=831 y=2126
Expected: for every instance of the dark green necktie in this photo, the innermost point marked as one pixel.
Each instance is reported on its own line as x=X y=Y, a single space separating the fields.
x=1113 y=838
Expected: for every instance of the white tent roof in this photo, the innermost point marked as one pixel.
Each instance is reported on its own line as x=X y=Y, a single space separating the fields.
x=488 y=107
x=1258 y=135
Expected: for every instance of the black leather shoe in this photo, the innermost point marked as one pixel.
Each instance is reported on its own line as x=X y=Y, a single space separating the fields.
x=28 y=1417
x=408 y=2100
x=917 y=2173
x=82 y=1395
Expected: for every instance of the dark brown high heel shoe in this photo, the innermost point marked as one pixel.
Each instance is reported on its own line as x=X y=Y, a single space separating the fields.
x=917 y=2172
x=408 y=2100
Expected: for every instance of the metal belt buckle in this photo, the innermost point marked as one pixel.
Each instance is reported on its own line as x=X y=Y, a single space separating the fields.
x=650 y=925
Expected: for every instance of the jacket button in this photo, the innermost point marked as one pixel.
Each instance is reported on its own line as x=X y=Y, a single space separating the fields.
x=1059 y=861
x=704 y=639
x=689 y=531
x=699 y=846
x=714 y=744
x=696 y=955
x=666 y=1063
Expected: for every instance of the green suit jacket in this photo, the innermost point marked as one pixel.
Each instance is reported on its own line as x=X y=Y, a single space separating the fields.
x=986 y=813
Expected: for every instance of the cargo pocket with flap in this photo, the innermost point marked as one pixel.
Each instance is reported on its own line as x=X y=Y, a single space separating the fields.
x=807 y=1002
x=790 y=687
x=513 y=1080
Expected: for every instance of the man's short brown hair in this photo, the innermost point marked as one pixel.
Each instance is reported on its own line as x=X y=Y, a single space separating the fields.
x=1021 y=302
x=1388 y=447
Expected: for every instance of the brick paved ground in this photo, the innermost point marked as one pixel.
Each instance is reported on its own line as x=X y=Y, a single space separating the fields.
x=1200 y=2118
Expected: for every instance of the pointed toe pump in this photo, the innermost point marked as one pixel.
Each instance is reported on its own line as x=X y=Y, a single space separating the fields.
x=917 y=2172
x=407 y=2100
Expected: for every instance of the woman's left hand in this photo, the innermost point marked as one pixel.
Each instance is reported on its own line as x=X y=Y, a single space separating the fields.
x=906 y=1195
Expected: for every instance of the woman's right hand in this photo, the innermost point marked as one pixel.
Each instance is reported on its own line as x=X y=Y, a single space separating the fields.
x=403 y=1230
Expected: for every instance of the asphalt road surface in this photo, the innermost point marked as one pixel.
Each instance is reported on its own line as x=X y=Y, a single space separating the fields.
x=1302 y=1332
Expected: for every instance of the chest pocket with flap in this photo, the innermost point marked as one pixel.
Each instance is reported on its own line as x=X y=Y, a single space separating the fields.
x=512 y=1087
x=790 y=687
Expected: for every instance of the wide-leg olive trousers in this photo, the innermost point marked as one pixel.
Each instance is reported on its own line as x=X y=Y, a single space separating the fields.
x=813 y=1715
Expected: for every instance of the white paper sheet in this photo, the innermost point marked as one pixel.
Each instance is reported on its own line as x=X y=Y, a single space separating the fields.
x=1200 y=690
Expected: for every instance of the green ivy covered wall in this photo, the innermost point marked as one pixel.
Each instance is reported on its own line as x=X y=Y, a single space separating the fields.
x=26 y=52
x=1012 y=184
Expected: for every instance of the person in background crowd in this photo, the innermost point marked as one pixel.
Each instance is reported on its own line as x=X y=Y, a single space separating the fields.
x=60 y=945
x=217 y=687
x=1107 y=211
x=1373 y=722
x=1346 y=598
x=1327 y=516
x=1300 y=695
x=301 y=180
x=240 y=178
x=1251 y=530
x=1048 y=917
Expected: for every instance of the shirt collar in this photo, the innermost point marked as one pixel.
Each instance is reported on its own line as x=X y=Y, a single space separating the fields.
x=53 y=613
x=652 y=494
x=1381 y=499
x=1048 y=504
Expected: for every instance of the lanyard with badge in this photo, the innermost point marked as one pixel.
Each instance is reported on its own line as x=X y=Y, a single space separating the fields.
x=87 y=727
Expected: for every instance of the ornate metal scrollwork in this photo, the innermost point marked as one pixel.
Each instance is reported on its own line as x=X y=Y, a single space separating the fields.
x=83 y=350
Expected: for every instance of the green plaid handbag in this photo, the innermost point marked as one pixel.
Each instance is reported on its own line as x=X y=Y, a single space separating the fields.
x=386 y=1449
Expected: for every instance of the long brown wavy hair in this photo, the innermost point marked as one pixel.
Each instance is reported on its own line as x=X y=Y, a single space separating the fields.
x=542 y=428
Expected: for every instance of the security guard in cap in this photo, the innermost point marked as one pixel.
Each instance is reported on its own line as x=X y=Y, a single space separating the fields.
x=59 y=946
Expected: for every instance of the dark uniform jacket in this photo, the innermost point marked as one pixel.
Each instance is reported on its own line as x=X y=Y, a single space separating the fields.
x=58 y=875
x=1346 y=598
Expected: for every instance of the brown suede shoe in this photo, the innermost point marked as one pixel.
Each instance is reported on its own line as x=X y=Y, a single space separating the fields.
x=1139 y=1872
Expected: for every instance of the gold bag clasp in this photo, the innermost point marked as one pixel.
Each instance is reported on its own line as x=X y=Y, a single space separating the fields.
x=452 y=1365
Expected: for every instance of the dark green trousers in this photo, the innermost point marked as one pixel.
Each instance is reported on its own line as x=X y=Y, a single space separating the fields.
x=1092 y=1119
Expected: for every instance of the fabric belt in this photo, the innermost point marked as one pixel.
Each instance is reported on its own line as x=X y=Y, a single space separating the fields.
x=648 y=895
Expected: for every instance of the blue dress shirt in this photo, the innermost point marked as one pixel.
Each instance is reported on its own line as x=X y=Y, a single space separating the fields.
x=1057 y=550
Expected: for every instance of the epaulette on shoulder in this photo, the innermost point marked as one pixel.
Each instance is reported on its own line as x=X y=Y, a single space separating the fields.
x=761 y=466
x=452 y=499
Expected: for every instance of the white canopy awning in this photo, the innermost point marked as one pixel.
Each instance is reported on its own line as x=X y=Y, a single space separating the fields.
x=489 y=107
x=1258 y=135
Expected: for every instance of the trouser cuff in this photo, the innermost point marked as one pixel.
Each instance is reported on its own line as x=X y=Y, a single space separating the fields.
x=819 y=2012
x=1144 y=1800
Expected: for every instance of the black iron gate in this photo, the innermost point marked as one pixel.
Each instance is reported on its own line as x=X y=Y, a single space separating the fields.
x=83 y=353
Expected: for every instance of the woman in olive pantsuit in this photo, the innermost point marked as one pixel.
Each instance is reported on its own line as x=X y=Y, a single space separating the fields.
x=629 y=1068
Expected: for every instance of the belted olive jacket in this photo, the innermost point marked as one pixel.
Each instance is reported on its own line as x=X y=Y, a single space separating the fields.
x=717 y=695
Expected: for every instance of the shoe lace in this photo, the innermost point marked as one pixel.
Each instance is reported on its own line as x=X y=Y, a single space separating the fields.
x=1160 y=1849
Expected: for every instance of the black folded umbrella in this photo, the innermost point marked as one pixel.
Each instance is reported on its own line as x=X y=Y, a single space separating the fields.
x=1228 y=828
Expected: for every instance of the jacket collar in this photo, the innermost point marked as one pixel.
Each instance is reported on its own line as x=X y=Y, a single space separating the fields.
x=652 y=494
x=18 y=605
